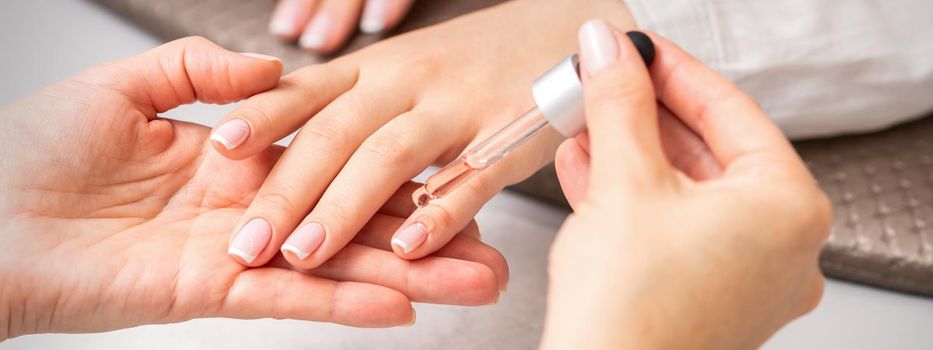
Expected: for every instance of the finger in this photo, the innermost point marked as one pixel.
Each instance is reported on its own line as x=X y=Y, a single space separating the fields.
x=331 y=25
x=432 y=279
x=382 y=15
x=304 y=171
x=184 y=71
x=685 y=150
x=395 y=153
x=400 y=204
x=729 y=121
x=572 y=164
x=280 y=293
x=621 y=111
x=266 y=118
x=430 y=227
x=290 y=17
x=378 y=231
x=465 y=245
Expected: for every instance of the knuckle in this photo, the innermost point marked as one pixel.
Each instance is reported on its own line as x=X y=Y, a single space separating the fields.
x=389 y=146
x=809 y=211
x=608 y=92
x=255 y=115
x=418 y=66
x=333 y=211
x=327 y=134
x=442 y=217
x=276 y=202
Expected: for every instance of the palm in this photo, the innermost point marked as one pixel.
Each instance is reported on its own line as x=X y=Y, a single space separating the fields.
x=169 y=207
x=135 y=212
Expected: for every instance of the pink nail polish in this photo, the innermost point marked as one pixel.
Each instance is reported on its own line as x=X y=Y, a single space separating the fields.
x=410 y=237
x=598 y=46
x=251 y=240
x=305 y=240
x=316 y=34
x=375 y=15
x=285 y=18
x=231 y=134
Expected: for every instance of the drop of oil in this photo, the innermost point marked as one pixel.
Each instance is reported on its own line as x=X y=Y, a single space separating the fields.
x=421 y=197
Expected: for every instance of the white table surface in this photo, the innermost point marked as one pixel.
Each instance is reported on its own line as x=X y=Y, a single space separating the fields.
x=43 y=41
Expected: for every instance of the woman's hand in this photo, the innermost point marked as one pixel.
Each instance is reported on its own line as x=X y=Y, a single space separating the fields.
x=111 y=217
x=675 y=243
x=324 y=26
x=385 y=113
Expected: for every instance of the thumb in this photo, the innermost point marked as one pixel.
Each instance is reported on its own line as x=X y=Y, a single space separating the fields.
x=184 y=71
x=621 y=110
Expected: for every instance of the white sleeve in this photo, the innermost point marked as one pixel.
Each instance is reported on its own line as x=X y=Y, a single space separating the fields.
x=819 y=67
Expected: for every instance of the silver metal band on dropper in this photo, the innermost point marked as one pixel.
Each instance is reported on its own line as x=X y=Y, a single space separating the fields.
x=559 y=95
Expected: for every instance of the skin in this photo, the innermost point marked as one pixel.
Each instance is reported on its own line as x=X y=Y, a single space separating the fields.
x=378 y=117
x=716 y=248
x=92 y=225
x=334 y=21
x=112 y=217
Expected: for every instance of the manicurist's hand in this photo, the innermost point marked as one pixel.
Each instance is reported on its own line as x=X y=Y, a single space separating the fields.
x=675 y=243
x=324 y=26
x=373 y=120
x=112 y=217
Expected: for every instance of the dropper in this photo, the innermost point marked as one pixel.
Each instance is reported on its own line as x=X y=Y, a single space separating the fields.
x=558 y=95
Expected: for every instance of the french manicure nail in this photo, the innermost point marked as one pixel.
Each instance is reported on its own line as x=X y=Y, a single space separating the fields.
x=374 y=17
x=261 y=56
x=315 y=36
x=410 y=237
x=251 y=240
x=231 y=134
x=284 y=20
x=414 y=317
x=598 y=46
x=305 y=240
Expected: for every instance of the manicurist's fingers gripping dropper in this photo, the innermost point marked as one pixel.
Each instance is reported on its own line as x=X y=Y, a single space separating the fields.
x=558 y=95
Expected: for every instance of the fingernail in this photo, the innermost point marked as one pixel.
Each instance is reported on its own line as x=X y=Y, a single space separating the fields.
x=315 y=36
x=414 y=317
x=261 y=56
x=251 y=240
x=375 y=15
x=410 y=237
x=496 y=302
x=305 y=240
x=598 y=47
x=285 y=18
x=231 y=134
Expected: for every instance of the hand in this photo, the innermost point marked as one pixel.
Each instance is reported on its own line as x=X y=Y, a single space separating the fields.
x=111 y=217
x=324 y=26
x=385 y=113
x=658 y=255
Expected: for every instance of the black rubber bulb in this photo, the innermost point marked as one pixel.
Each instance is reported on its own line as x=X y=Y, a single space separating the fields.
x=644 y=45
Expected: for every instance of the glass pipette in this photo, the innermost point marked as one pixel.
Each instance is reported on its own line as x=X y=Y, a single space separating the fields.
x=558 y=94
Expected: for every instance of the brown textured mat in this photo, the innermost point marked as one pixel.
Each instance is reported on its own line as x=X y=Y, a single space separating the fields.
x=881 y=184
